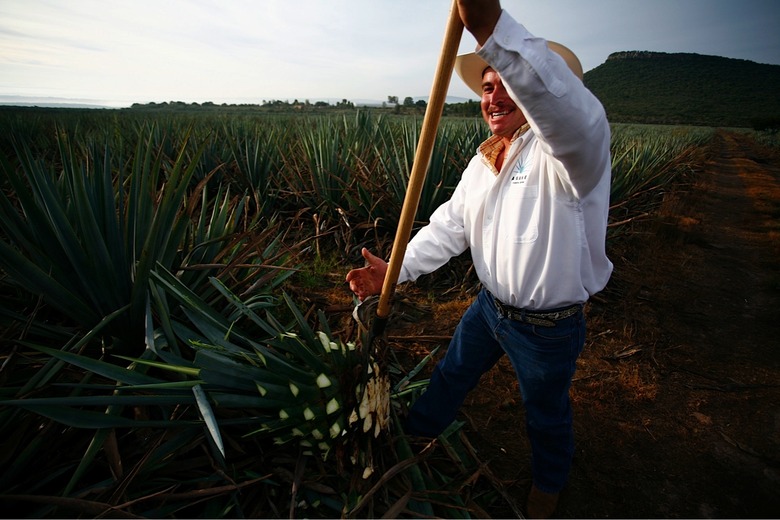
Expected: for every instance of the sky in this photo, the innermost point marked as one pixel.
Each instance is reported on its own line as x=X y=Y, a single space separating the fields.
x=116 y=53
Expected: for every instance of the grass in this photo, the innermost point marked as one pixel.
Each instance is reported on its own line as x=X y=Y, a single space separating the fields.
x=322 y=272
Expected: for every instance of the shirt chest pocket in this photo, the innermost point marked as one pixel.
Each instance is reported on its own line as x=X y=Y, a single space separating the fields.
x=520 y=214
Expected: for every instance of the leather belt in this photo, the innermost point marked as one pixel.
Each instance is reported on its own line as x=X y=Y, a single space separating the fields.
x=540 y=318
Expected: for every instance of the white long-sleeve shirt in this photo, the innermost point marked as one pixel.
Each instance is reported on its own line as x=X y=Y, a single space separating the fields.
x=537 y=229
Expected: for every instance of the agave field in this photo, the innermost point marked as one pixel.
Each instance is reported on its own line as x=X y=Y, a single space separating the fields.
x=158 y=356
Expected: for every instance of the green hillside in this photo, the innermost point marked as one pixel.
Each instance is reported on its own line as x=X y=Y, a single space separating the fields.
x=655 y=87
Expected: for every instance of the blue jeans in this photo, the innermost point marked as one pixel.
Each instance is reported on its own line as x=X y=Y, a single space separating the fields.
x=544 y=360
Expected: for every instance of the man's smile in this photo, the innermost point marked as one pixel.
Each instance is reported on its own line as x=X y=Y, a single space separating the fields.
x=499 y=114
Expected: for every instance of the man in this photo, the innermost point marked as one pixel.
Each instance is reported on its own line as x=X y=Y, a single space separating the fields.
x=532 y=206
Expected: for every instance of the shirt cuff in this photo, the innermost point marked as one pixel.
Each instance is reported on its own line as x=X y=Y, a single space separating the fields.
x=513 y=49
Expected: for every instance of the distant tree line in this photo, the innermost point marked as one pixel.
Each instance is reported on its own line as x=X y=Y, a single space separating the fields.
x=273 y=104
x=409 y=106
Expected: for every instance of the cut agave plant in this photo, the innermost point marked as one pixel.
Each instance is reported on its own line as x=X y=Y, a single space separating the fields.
x=306 y=385
x=308 y=391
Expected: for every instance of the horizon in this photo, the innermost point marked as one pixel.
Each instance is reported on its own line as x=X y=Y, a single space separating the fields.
x=54 y=102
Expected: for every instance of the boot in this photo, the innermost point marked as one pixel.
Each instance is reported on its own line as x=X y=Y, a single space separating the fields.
x=541 y=504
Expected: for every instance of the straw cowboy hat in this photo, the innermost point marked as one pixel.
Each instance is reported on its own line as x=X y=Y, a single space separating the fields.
x=470 y=66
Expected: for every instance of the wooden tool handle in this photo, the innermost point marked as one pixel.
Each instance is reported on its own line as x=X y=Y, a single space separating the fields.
x=422 y=156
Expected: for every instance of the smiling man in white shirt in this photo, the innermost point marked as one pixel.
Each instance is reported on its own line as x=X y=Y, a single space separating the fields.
x=532 y=207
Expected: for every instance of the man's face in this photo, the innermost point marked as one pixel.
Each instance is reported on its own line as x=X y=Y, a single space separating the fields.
x=499 y=111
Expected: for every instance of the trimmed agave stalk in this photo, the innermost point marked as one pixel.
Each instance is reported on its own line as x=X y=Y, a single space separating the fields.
x=374 y=408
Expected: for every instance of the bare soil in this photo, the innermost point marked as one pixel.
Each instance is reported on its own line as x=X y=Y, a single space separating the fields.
x=677 y=394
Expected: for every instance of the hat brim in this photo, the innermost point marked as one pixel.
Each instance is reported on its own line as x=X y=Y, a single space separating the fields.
x=470 y=66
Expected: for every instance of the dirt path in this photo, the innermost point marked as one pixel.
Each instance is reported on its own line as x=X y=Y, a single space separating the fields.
x=677 y=396
x=698 y=435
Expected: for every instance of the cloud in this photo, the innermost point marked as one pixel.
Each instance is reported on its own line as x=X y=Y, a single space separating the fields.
x=218 y=50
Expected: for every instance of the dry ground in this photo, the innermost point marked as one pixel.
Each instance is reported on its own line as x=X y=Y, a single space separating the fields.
x=677 y=394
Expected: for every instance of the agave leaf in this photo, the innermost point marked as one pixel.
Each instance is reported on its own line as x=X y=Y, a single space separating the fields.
x=101 y=368
x=164 y=319
x=103 y=400
x=96 y=228
x=401 y=385
x=246 y=402
x=208 y=416
x=225 y=381
x=303 y=326
x=415 y=474
x=149 y=328
x=66 y=236
x=323 y=322
x=242 y=307
x=167 y=226
x=304 y=344
x=78 y=418
x=98 y=439
x=277 y=372
x=213 y=325
x=305 y=353
x=38 y=281
x=22 y=438
x=181 y=369
x=53 y=366
x=172 y=385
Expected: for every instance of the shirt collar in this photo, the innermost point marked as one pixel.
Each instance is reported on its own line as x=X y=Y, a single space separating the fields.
x=492 y=146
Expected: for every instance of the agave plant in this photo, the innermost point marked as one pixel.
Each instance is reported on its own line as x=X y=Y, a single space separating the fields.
x=68 y=241
x=645 y=161
x=257 y=155
x=289 y=385
x=258 y=389
x=86 y=238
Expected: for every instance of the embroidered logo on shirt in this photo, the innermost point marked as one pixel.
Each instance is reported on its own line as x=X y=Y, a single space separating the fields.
x=519 y=176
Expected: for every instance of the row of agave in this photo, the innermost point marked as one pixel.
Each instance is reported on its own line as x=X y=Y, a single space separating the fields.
x=146 y=323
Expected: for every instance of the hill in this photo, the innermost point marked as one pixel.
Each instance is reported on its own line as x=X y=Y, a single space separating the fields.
x=684 y=88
